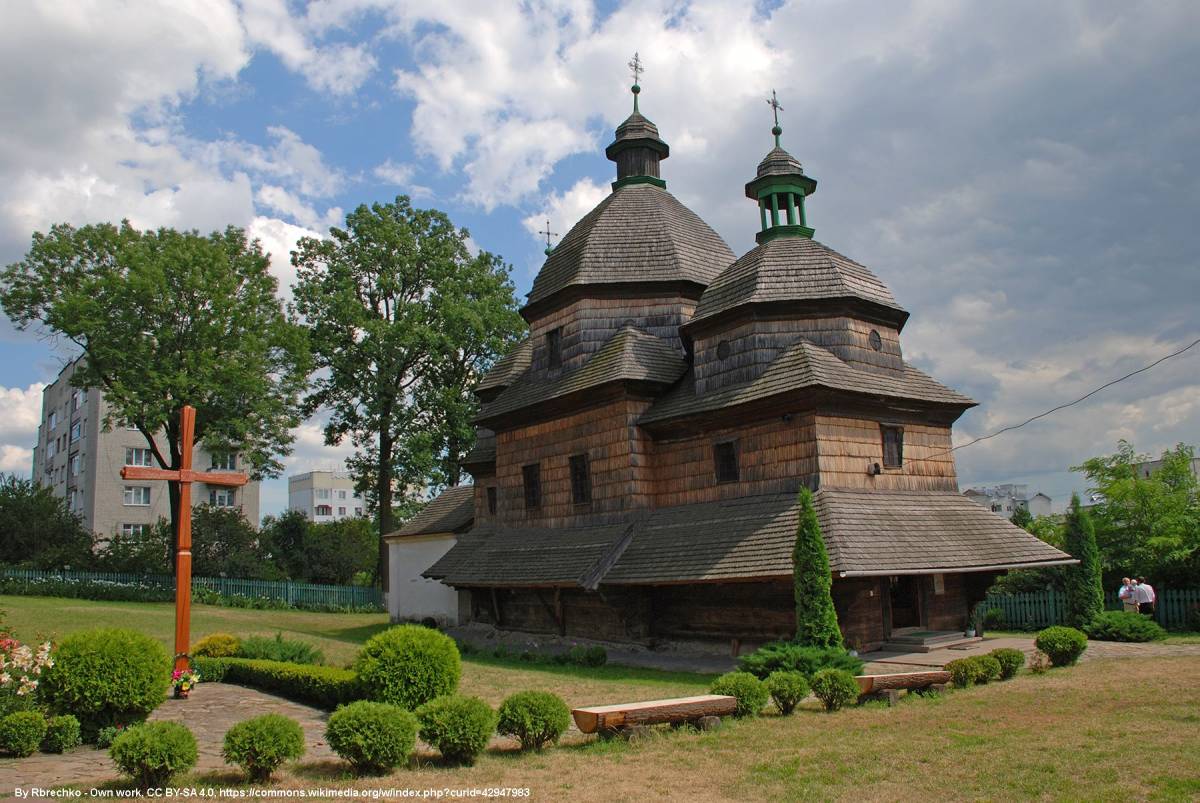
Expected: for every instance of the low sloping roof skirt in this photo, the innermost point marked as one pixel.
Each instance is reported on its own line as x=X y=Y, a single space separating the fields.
x=508 y=367
x=453 y=510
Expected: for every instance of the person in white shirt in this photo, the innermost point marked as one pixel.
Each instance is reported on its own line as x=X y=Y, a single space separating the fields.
x=1126 y=595
x=1144 y=593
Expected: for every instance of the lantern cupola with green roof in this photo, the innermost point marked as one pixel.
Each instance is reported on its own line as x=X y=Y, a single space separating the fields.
x=780 y=189
x=637 y=149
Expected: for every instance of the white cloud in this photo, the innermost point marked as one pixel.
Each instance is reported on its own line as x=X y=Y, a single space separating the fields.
x=338 y=68
x=563 y=210
x=278 y=238
x=18 y=427
x=288 y=159
x=286 y=203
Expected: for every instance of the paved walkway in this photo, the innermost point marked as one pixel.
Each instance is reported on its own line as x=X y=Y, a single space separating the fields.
x=881 y=662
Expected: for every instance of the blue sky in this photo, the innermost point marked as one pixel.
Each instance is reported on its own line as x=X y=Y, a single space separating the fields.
x=1022 y=175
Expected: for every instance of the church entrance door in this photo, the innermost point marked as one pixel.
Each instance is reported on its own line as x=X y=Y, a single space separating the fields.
x=905 y=602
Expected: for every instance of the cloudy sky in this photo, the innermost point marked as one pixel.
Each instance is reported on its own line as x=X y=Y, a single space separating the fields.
x=1024 y=175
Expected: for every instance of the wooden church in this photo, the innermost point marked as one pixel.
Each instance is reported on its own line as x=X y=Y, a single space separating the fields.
x=639 y=453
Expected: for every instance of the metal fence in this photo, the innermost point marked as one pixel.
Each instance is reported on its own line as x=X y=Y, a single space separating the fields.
x=301 y=595
x=1038 y=609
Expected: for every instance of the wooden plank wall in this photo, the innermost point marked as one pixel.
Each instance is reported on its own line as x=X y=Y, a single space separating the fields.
x=482 y=481
x=946 y=611
x=761 y=611
x=618 y=453
x=773 y=456
x=859 y=602
x=847 y=446
x=755 y=344
x=589 y=323
x=614 y=615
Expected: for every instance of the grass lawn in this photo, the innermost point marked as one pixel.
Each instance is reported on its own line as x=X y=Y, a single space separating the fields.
x=1173 y=636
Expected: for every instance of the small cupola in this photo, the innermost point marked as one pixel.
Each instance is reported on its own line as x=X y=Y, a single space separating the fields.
x=638 y=149
x=780 y=189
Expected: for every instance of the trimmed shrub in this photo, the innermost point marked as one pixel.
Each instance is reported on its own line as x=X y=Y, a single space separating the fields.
x=791 y=657
x=291 y=651
x=212 y=670
x=993 y=618
x=963 y=672
x=1011 y=661
x=408 y=665
x=154 y=752
x=106 y=736
x=106 y=677
x=787 y=689
x=834 y=688
x=459 y=727
x=1039 y=663
x=260 y=745
x=536 y=718
x=22 y=732
x=1124 y=626
x=1062 y=645
x=323 y=686
x=751 y=693
x=217 y=645
x=587 y=656
x=62 y=733
x=373 y=737
x=989 y=668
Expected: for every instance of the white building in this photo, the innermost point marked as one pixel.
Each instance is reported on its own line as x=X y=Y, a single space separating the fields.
x=1006 y=499
x=416 y=546
x=325 y=496
x=81 y=462
x=1144 y=470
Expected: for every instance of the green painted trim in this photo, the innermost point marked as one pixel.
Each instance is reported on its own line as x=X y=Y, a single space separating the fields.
x=783 y=231
x=791 y=209
x=782 y=186
x=762 y=213
x=625 y=182
x=774 y=210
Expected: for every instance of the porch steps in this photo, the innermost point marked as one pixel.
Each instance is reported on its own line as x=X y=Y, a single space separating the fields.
x=926 y=640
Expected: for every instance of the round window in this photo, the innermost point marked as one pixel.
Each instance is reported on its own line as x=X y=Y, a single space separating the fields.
x=876 y=340
x=723 y=350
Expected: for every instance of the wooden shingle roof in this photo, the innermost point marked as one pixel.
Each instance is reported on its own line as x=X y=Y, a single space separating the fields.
x=793 y=269
x=451 y=511
x=507 y=368
x=484 y=450
x=629 y=355
x=804 y=365
x=639 y=233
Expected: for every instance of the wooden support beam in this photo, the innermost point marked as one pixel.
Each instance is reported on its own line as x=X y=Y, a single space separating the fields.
x=873 y=684
x=653 y=712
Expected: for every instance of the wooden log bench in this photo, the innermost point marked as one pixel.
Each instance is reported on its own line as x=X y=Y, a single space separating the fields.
x=888 y=687
x=677 y=710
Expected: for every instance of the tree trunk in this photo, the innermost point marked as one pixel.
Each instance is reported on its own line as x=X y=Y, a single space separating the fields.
x=383 y=493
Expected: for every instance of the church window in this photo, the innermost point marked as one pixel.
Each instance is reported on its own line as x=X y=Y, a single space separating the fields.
x=723 y=350
x=581 y=480
x=532 y=477
x=893 y=446
x=491 y=499
x=725 y=461
x=554 y=348
x=876 y=340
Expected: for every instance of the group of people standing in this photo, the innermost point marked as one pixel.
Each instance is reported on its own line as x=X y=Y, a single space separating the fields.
x=1137 y=596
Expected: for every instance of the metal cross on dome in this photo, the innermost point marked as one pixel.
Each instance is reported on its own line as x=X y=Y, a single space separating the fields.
x=776 y=107
x=548 y=235
x=635 y=67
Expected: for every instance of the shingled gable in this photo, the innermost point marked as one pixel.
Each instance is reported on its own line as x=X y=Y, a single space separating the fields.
x=630 y=355
x=452 y=511
x=802 y=366
x=506 y=370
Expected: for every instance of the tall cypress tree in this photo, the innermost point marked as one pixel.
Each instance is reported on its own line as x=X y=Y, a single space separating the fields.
x=1085 y=594
x=816 y=619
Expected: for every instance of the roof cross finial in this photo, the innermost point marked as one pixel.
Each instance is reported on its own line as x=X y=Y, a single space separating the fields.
x=777 y=108
x=548 y=235
x=636 y=68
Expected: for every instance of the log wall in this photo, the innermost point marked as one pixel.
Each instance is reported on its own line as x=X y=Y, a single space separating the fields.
x=948 y=610
x=762 y=611
x=861 y=608
x=847 y=446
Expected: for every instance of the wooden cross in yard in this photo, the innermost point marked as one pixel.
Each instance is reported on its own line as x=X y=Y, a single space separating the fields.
x=185 y=476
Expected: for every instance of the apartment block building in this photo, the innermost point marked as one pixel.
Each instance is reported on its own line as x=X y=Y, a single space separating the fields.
x=1005 y=499
x=82 y=463
x=325 y=496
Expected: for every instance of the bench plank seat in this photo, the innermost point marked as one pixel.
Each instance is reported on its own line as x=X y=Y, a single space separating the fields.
x=653 y=712
x=871 y=684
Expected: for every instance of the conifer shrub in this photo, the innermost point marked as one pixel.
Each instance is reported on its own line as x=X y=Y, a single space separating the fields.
x=106 y=677
x=834 y=688
x=1011 y=661
x=373 y=737
x=62 y=734
x=408 y=666
x=988 y=668
x=751 y=693
x=1124 y=626
x=787 y=689
x=217 y=645
x=153 y=753
x=788 y=656
x=816 y=618
x=1062 y=645
x=459 y=727
x=21 y=733
x=288 y=651
x=260 y=745
x=323 y=686
x=535 y=718
x=963 y=672
x=1085 y=594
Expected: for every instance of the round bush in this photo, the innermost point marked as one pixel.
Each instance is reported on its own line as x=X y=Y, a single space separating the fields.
x=459 y=727
x=22 y=732
x=751 y=693
x=787 y=689
x=1063 y=645
x=408 y=665
x=106 y=677
x=62 y=733
x=834 y=688
x=154 y=752
x=988 y=668
x=260 y=745
x=373 y=737
x=792 y=657
x=1124 y=626
x=536 y=718
x=963 y=672
x=217 y=645
x=1011 y=661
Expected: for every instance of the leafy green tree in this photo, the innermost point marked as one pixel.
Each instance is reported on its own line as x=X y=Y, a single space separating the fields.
x=37 y=529
x=1085 y=594
x=816 y=618
x=327 y=552
x=402 y=320
x=224 y=544
x=149 y=552
x=286 y=536
x=166 y=318
x=1022 y=517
